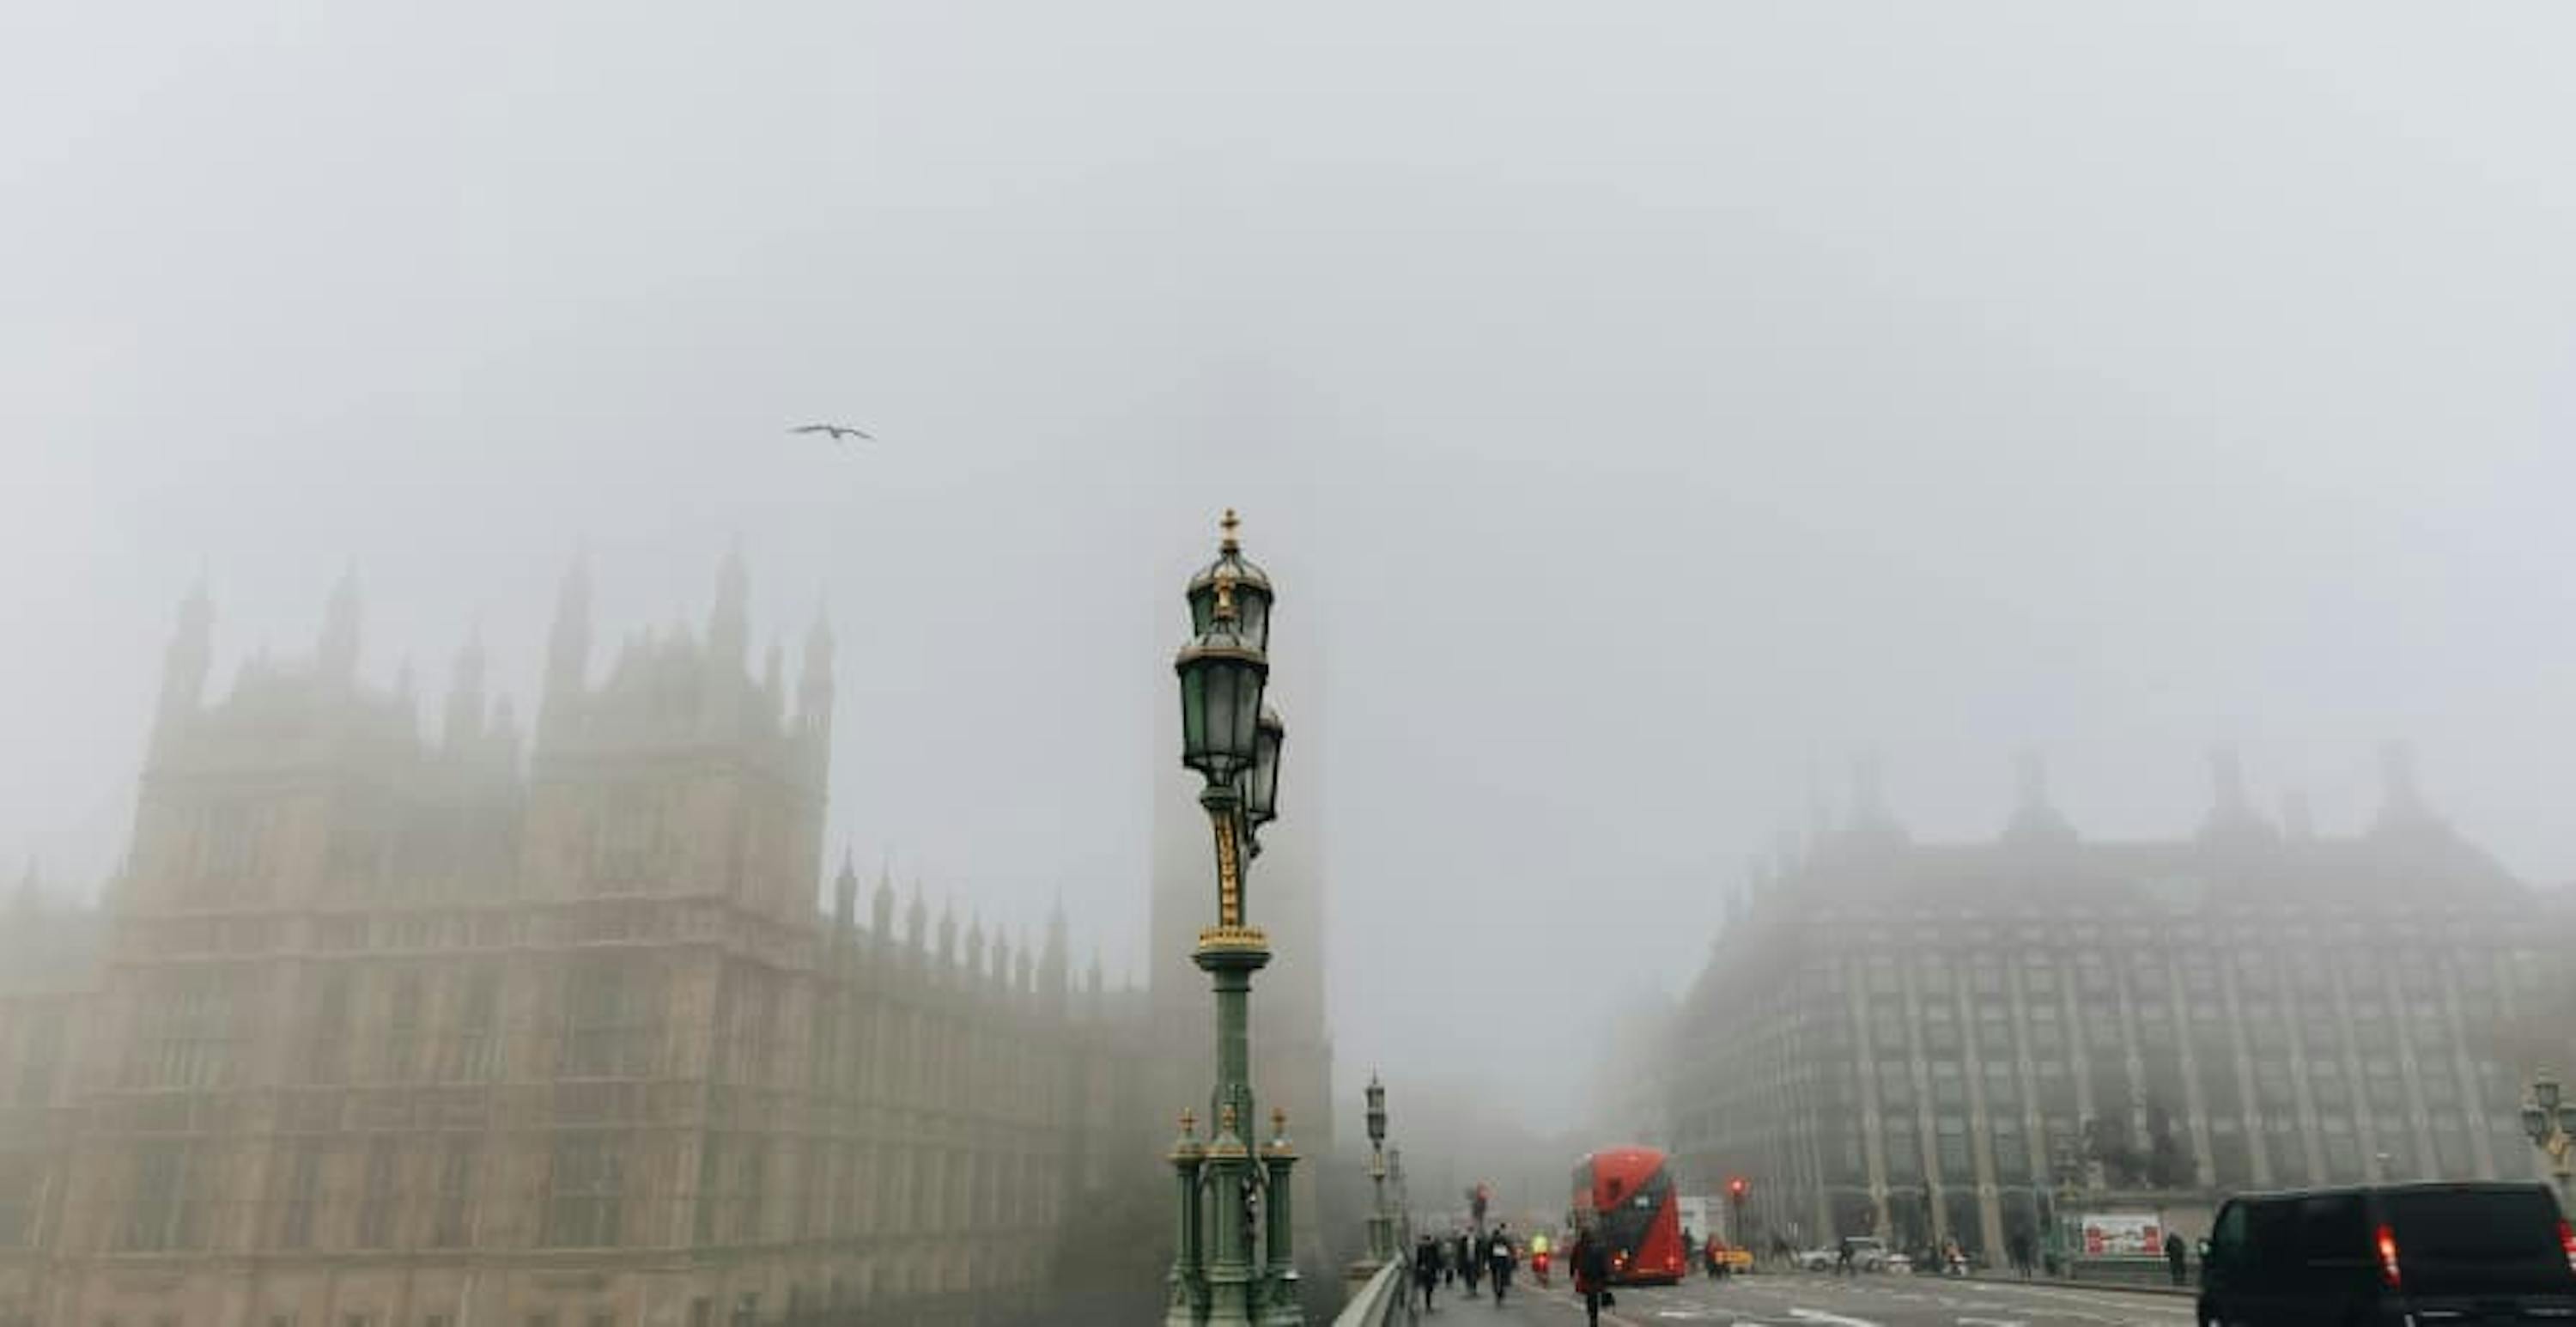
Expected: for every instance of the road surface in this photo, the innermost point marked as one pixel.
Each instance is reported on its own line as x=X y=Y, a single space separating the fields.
x=1799 y=1300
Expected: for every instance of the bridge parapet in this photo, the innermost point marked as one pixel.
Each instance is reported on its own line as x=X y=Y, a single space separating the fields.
x=1384 y=1300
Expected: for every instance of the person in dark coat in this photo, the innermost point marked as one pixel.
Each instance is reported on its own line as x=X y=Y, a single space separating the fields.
x=2176 y=1252
x=1500 y=1258
x=1471 y=1260
x=1426 y=1269
x=1591 y=1274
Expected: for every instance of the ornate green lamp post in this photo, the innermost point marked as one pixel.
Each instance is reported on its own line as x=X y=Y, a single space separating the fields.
x=1381 y=1229
x=1234 y=1264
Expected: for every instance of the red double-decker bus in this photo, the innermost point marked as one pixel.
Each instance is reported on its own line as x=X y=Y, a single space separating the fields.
x=1628 y=1192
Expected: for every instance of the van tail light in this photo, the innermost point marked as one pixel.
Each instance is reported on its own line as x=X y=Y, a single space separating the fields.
x=2567 y=1241
x=2387 y=1244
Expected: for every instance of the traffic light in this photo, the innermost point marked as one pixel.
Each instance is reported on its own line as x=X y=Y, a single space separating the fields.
x=1736 y=1189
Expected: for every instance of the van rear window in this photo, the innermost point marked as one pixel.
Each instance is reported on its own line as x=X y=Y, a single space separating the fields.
x=2474 y=1225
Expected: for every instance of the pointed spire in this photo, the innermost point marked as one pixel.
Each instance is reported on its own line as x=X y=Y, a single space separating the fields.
x=814 y=682
x=845 y=895
x=2401 y=801
x=184 y=664
x=948 y=930
x=881 y=907
x=568 y=656
x=462 y=721
x=196 y=608
x=916 y=919
x=1054 y=974
x=1870 y=818
x=2231 y=810
x=2034 y=819
x=336 y=657
x=729 y=626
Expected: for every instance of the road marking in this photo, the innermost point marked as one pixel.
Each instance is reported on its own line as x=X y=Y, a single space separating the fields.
x=1831 y=1319
x=1992 y=1322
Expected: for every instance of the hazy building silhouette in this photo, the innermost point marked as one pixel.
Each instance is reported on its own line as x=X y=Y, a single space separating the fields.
x=1927 y=1040
x=404 y=1032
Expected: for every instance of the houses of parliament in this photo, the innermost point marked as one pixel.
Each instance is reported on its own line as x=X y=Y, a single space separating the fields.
x=535 y=1027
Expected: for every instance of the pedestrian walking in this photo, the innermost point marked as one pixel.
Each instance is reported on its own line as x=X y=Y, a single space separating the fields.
x=1426 y=1269
x=1591 y=1275
x=1843 y=1257
x=1471 y=1261
x=2176 y=1253
x=1500 y=1257
x=2019 y=1246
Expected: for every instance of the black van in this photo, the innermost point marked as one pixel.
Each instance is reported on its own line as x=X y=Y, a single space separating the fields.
x=2410 y=1255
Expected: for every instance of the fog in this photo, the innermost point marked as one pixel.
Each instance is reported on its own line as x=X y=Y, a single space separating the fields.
x=1643 y=412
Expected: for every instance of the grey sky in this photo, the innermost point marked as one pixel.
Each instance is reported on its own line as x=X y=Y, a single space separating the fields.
x=1642 y=411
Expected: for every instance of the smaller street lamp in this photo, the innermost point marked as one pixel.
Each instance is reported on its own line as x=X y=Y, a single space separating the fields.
x=1257 y=785
x=2550 y=1122
x=1403 y=1199
x=1380 y=1241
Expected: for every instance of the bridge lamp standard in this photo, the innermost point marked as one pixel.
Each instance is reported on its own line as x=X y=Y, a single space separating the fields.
x=1221 y=1274
x=2551 y=1124
x=1381 y=1228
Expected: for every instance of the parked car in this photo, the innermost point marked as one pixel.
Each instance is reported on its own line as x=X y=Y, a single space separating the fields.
x=1869 y=1254
x=2404 y=1254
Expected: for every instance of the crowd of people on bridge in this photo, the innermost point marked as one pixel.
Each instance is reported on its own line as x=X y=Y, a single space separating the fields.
x=1472 y=1260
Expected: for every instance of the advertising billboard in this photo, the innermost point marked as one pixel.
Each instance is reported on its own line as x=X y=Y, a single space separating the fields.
x=2123 y=1235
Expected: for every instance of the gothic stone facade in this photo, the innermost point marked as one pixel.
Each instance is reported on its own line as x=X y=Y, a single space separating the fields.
x=1939 y=1041
x=396 y=1033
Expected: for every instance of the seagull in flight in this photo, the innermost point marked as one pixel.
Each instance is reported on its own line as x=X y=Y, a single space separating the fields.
x=837 y=432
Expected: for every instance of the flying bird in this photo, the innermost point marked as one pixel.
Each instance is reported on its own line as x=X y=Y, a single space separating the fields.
x=836 y=431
